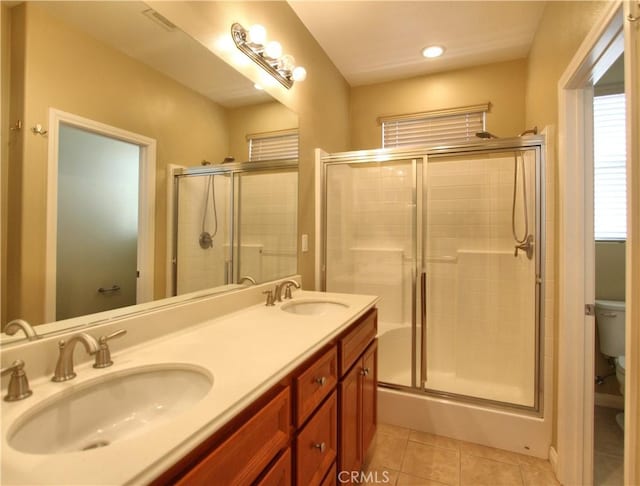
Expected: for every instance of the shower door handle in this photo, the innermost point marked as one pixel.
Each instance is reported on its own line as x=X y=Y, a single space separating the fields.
x=423 y=329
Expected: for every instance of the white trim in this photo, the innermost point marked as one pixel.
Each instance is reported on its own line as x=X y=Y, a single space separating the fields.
x=553 y=459
x=632 y=307
x=171 y=168
x=146 y=206
x=576 y=334
x=319 y=214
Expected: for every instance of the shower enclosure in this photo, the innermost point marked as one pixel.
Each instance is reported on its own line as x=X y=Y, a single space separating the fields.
x=451 y=240
x=234 y=221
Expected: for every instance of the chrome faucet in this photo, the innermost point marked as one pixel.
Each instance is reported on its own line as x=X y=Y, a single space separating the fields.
x=21 y=325
x=286 y=286
x=64 y=366
x=247 y=278
x=19 y=385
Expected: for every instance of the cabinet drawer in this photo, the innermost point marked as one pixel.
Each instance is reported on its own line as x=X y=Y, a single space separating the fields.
x=280 y=472
x=314 y=384
x=354 y=343
x=317 y=443
x=243 y=456
x=331 y=478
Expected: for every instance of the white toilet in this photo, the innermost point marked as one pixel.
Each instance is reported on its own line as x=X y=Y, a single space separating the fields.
x=610 y=316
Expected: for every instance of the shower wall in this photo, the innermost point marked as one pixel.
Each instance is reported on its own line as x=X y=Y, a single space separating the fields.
x=268 y=225
x=371 y=241
x=200 y=268
x=481 y=301
x=451 y=218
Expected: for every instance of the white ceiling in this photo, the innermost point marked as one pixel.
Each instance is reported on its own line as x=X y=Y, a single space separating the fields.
x=123 y=25
x=375 y=41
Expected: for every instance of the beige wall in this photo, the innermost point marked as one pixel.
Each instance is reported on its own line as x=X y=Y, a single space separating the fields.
x=265 y=117
x=321 y=101
x=68 y=70
x=562 y=29
x=503 y=84
x=610 y=270
x=5 y=32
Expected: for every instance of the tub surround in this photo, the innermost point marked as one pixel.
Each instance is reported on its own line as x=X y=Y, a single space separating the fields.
x=246 y=346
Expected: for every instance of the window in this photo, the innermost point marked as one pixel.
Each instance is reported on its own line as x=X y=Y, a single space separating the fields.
x=442 y=127
x=273 y=145
x=609 y=167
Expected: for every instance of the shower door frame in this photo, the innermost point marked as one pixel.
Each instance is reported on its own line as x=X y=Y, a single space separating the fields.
x=422 y=155
x=233 y=170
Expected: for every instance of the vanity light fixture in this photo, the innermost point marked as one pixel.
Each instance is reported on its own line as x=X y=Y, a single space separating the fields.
x=253 y=42
x=432 y=51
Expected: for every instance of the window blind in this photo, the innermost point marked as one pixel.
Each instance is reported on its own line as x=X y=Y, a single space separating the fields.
x=432 y=129
x=273 y=146
x=610 y=201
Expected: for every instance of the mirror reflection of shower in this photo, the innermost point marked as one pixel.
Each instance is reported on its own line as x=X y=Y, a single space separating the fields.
x=206 y=237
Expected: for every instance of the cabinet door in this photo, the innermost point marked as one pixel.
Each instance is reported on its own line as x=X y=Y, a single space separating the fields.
x=350 y=421
x=369 y=395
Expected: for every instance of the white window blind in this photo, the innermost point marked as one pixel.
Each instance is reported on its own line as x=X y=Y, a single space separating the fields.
x=610 y=195
x=273 y=146
x=436 y=128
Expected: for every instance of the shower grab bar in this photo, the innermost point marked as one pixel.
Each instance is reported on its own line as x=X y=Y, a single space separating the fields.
x=423 y=329
x=114 y=288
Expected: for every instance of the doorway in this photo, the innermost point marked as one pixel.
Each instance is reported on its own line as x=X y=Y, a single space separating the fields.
x=616 y=32
x=100 y=217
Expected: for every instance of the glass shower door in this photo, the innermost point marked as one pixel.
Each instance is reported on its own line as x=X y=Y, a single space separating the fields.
x=481 y=291
x=371 y=249
x=203 y=233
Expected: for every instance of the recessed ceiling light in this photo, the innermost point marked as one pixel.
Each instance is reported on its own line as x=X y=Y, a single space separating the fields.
x=433 y=51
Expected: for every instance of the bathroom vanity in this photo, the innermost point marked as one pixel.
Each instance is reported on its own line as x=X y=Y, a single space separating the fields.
x=276 y=395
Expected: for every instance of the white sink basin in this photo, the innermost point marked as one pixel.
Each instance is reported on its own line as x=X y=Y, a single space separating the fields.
x=313 y=307
x=112 y=408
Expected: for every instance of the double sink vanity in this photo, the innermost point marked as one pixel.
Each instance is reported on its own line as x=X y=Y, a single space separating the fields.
x=216 y=390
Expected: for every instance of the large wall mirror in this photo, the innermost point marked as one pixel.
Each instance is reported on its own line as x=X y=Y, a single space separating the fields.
x=129 y=177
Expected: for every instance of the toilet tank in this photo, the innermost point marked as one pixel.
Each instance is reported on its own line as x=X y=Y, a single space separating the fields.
x=610 y=316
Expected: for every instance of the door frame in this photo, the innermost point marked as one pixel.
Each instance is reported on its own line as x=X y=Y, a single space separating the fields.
x=612 y=33
x=146 y=204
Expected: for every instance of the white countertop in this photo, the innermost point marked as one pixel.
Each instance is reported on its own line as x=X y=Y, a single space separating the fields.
x=247 y=352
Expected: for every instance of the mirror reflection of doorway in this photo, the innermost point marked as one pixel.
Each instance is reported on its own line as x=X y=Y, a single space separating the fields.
x=98 y=190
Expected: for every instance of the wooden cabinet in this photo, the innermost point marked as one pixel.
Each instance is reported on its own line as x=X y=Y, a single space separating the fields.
x=317 y=421
x=357 y=394
x=245 y=455
x=317 y=444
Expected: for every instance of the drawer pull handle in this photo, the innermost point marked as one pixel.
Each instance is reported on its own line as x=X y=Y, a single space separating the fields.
x=321 y=380
x=321 y=446
x=365 y=372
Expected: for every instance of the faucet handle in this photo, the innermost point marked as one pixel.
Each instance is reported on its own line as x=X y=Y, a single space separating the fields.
x=270 y=298
x=19 y=385
x=103 y=356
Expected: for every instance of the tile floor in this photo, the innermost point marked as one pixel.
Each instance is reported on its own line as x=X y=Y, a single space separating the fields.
x=608 y=448
x=419 y=459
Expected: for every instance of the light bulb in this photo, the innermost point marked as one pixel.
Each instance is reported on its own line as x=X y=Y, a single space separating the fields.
x=299 y=74
x=257 y=34
x=287 y=62
x=433 y=51
x=273 y=50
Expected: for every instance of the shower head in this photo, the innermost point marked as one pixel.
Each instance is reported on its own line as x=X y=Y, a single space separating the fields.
x=485 y=134
x=228 y=160
x=532 y=131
